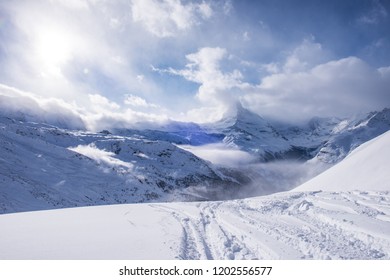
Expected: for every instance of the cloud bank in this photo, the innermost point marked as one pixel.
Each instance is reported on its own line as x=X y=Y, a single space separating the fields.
x=100 y=114
x=220 y=154
x=26 y=106
x=121 y=63
x=306 y=84
x=335 y=88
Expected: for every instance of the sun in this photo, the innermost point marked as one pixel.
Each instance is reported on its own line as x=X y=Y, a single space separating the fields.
x=53 y=47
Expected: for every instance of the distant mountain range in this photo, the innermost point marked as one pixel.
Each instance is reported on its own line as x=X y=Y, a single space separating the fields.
x=325 y=139
x=46 y=166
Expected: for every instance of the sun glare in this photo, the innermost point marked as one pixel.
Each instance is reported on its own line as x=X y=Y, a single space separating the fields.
x=53 y=48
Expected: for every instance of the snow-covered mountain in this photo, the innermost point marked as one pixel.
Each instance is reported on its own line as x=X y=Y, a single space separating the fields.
x=176 y=132
x=45 y=166
x=328 y=140
x=366 y=168
x=252 y=133
x=350 y=133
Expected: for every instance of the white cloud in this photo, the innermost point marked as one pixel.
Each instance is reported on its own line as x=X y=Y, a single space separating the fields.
x=72 y=4
x=271 y=68
x=140 y=78
x=205 y=10
x=306 y=55
x=66 y=50
x=101 y=156
x=54 y=41
x=335 y=88
x=124 y=119
x=26 y=106
x=221 y=154
x=204 y=66
x=303 y=57
x=100 y=114
x=204 y=114
x=218 y=89
x=103 y=113
x=100 y=102
x=136 y=101
x=305 y=85
x=167 y=17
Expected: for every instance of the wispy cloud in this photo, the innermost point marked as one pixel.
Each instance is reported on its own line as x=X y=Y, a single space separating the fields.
x=136 y=101
x=375 y=15
x=168 y=17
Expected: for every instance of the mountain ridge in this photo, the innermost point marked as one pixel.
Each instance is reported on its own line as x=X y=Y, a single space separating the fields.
x=44 y=166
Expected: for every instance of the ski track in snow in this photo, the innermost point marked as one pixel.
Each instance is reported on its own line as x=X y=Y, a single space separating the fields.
x=291 y=225
x=296 y=226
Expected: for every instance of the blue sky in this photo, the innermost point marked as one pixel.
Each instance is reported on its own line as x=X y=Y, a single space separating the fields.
x=121 y=62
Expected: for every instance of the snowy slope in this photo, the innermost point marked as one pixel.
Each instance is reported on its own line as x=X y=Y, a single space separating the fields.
x=349 y=134
x=366 y=168
x=44 y=167
x=310 y=225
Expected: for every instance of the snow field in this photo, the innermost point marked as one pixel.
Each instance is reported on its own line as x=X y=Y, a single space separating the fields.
x=302 y=225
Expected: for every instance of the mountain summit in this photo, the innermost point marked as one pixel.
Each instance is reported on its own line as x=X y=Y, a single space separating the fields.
x=44 y=166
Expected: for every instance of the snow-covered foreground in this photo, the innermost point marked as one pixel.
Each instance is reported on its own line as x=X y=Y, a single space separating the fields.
x=308 y=225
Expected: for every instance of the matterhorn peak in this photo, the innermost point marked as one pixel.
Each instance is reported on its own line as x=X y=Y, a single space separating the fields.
x=244 y=115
